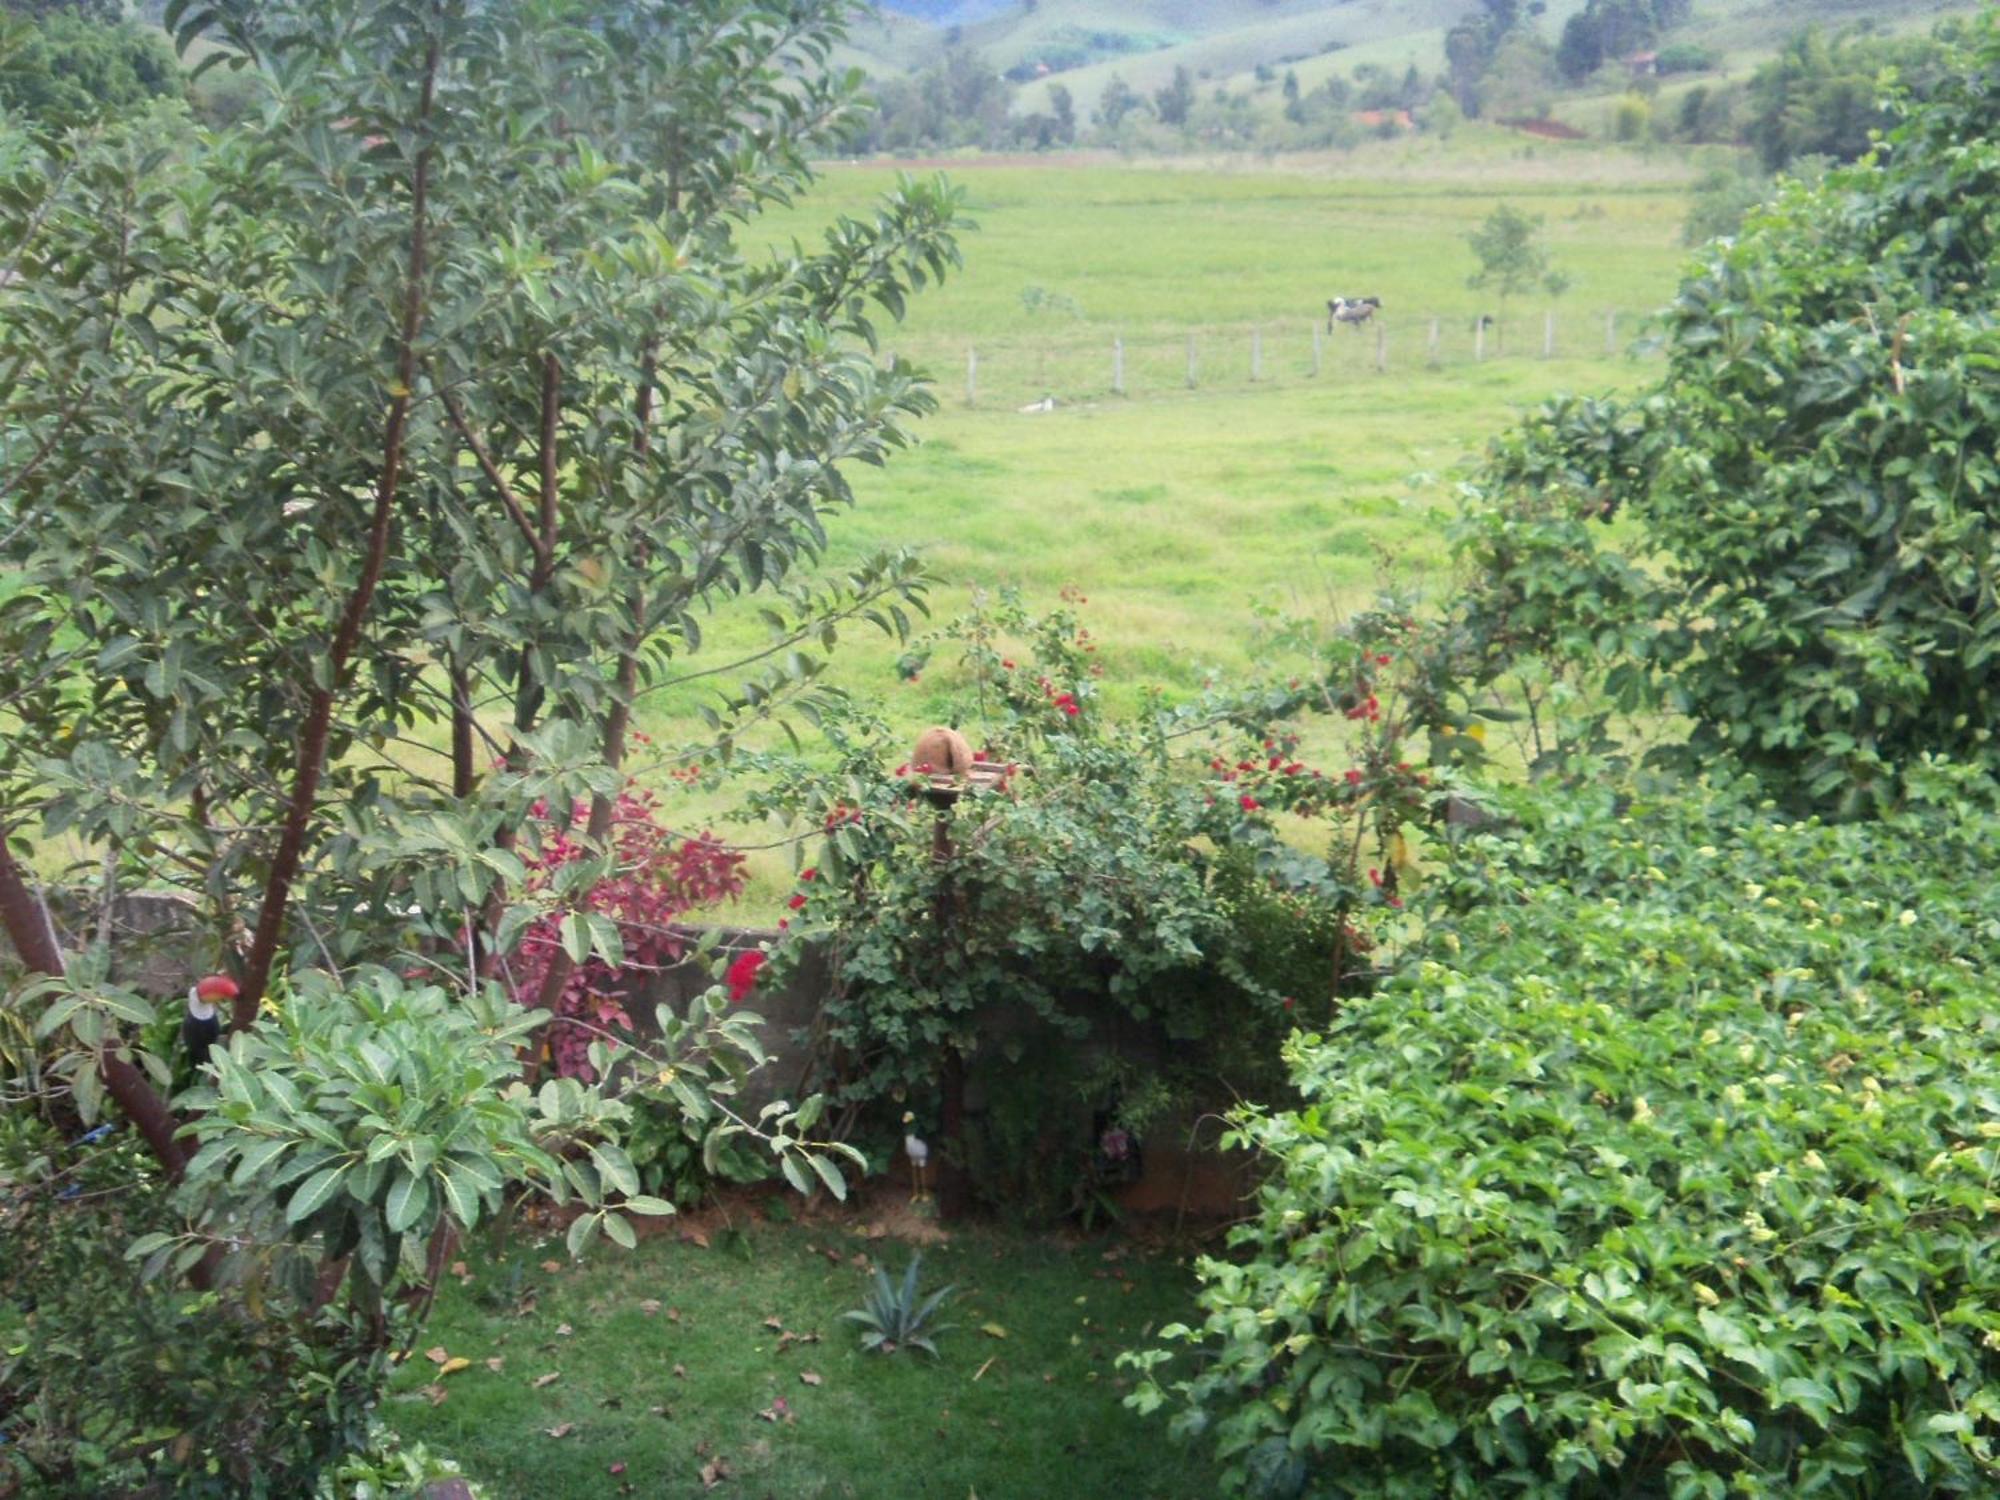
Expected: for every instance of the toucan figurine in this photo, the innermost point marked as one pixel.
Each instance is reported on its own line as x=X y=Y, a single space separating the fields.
x=203 y=1023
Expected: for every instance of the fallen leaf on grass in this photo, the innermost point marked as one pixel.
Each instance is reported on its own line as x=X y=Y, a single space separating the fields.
x=436 y=1393
x=561 y=1429
x=650 y=1306
x=461 y=1270
x=778 y=1411
x=453 y=1365
x=694 y=1237
x=810 y=1377
x=858 y=1261
x=563 y=1330
x=680 y=1372
x=552 y=1266
x=984 y=1368
x=617 y=1468
x=714 y=1472
x=546 y=1380
x=878 y=1231
x=673 y=1315
x=436 y=1355
x=496 y=1362
x=993 y=1330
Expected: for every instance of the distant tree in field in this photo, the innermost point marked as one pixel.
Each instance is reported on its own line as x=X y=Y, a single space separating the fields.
x=65 y=68
x=1064 y=106
x=1173 y=102
x=1290 y=88
x=1117 y=101
x=1512 y=258
x=1520 y=80
x=1471 y=45
x=1611 y=30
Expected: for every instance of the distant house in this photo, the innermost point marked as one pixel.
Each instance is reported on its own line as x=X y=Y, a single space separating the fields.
x=1643 y=64
x=1375 y=119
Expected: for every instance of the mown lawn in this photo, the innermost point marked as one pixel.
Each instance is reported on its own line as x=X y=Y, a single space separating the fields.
x=674 y=1358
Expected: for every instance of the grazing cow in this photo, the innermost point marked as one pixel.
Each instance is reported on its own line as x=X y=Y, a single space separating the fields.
x=1355 y=310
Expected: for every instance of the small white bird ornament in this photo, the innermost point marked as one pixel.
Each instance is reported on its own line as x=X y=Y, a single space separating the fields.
x=919 y=1153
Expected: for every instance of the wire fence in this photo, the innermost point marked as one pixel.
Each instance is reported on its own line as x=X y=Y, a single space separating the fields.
x=1023 y=372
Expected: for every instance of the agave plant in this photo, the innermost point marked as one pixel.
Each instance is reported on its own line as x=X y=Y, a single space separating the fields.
x=893 y=1318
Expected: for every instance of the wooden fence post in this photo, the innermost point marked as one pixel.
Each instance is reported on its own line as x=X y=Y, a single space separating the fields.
x=1117 y=367
x=971 y=377
x=1431 y=350
x=1192 y=372
x=1381 y=348
x=1549 y=335
x=1479 y=339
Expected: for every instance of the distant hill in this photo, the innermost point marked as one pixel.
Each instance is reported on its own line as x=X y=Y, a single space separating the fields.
x=1238 y=43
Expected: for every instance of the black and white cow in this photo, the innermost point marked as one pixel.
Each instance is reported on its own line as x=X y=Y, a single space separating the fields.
x=1355 y=310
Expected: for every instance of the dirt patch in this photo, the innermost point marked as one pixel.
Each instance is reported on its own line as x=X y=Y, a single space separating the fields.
x=1548 y=130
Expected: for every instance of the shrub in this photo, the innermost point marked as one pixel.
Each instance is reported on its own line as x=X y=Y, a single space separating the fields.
x=647 y=878
x=1664 y=1166
x=110 y=1382
x=1125 y=887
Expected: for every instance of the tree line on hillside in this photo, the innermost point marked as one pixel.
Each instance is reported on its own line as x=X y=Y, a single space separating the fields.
x=1821 y=97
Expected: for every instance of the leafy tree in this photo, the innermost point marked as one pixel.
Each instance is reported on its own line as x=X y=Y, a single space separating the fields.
x=437 y=398
x=1064 y=105
x=1173 y=102
x=1118 y=100
x=1512 y=258
x=1824 y=95
x=1812 y=479
x=65 y=68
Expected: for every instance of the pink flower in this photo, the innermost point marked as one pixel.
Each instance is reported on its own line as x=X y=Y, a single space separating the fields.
x=742 y=974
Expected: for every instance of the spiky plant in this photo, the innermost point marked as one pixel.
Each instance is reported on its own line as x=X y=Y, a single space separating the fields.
x=893 y=1318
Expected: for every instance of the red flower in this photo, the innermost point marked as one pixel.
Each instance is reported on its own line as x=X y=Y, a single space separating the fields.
x=810 y=872
x=1289 y=1002
x=798 y=900
x=1007 y=665
x=1250 y=803
x=1354 y=778
x=1382 y=660
x=1374 y=877
x=742 y=974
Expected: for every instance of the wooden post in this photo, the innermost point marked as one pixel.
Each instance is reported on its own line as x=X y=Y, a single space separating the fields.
x=1316 y=336
x=1479 y=338
x=1117 y=367
x=971 y=377
x=1381 y=348
x=1610 y=332
x=1256 y=354
x=953 y=1188
x=1549 y=335
x=1431 y=349
x=1192 y=372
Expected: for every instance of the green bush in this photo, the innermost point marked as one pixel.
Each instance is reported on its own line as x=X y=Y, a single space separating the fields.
x=1664 y=1166
x=110 y=1382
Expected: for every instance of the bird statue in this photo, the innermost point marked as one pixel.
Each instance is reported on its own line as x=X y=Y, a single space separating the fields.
x=919 y=1153
x=202 y=1025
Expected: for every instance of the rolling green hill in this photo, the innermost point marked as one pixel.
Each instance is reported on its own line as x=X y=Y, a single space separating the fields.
x=1226 y=42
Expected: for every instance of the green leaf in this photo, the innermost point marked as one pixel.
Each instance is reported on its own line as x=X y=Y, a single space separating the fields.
x=314 y=1193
